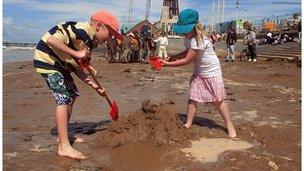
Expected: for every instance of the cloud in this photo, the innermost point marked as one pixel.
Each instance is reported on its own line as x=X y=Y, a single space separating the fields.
x=21 y=32
x=7 y=21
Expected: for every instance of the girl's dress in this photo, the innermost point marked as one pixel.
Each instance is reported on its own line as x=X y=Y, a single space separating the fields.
x=206 y=83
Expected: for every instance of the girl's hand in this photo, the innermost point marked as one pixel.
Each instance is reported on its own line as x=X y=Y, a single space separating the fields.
x=82 y=54
x=165 y=63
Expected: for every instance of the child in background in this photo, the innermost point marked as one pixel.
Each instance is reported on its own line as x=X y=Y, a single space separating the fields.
x=55 y=58
x=163 y=43
x=206 y=83
x=213 y=38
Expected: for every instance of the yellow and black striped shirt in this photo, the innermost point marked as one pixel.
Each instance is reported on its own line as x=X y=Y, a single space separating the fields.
x=76 y=35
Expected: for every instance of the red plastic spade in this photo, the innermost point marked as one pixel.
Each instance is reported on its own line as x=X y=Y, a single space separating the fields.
x=155 y=62
x=114 y=111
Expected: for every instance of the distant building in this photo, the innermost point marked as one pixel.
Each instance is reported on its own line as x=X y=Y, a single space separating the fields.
x=126 y=27
x=144 y=25
x=237 y=25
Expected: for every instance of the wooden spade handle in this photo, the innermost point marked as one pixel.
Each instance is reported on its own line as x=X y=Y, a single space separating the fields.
x=98 y=84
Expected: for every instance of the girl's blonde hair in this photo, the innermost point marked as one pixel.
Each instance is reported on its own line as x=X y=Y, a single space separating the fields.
x=200 y=33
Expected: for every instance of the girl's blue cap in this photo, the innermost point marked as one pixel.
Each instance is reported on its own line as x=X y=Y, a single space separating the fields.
x=187 y=19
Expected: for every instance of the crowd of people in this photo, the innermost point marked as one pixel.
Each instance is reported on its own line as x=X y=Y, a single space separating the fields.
x=140 y=43
x=250 y=40
x=280 y=37
x=275 y=39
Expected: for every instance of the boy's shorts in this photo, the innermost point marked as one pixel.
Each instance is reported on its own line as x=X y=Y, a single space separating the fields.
x=63 y=88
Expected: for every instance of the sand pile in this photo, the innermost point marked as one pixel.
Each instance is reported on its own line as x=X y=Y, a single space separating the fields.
x=157 y=124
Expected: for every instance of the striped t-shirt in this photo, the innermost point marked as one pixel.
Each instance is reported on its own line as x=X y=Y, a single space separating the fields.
x=76 y=35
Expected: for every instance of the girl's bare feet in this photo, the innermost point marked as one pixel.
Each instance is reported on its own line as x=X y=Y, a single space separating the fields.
x=231 y=130
x=69 y=151
x=187 y=125
x=74 y=139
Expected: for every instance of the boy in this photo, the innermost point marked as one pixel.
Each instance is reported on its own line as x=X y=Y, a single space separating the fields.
x=55 y=58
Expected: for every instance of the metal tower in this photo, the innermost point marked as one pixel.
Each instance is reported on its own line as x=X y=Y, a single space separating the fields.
x=173 y=7
x=220 y=11
x=237 y=9
x=130 y=12
x=148 y=9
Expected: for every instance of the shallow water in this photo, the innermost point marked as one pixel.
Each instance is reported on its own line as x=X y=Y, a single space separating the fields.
x=209 y=150
x=13 y=55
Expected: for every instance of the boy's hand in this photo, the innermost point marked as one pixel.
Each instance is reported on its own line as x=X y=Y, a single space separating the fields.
x=101 y=92
x=82 y=54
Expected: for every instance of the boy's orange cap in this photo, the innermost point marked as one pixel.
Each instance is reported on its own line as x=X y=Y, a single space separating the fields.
x=109 y=20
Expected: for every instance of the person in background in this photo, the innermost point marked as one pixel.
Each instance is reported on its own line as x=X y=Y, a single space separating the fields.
x=213 y=38
x=251 y=43
x=230 y=43
x=299 y=31
x=135 y=47
x=269 y=38
x=163 y=44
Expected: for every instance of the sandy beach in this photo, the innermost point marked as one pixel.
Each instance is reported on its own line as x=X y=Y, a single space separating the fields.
x=264 y=99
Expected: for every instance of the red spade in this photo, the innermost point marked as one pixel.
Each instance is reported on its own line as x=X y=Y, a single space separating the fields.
x=155 y=62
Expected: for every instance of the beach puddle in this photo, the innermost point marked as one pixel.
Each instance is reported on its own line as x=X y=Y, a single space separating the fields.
x=233 y=83
x=283 y=90
x=275 y=123
x=180 y=86
x=209 y=150
x=245 y=115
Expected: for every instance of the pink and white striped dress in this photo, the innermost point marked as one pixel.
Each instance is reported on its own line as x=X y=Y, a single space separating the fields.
x=206 y=83
x=207 y=89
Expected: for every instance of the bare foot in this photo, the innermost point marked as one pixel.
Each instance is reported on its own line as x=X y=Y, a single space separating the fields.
x=231 y=131
x=187 y=125
x=79 y=140
x=70 y=152
x=74 y=139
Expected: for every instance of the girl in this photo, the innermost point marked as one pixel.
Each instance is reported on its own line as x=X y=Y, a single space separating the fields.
x=206 y=83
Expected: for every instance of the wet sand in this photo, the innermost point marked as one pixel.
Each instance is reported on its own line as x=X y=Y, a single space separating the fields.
x=264 y=99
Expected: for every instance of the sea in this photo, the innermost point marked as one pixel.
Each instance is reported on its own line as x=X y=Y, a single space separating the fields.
x=14 y=54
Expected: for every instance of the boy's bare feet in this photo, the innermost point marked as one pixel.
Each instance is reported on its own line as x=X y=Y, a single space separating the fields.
x=74 y=140
x=70 y=152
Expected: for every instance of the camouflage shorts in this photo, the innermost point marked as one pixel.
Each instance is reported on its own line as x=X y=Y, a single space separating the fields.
x=63 y=88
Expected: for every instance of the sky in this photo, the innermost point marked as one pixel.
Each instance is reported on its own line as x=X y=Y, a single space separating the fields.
x=28 y=20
